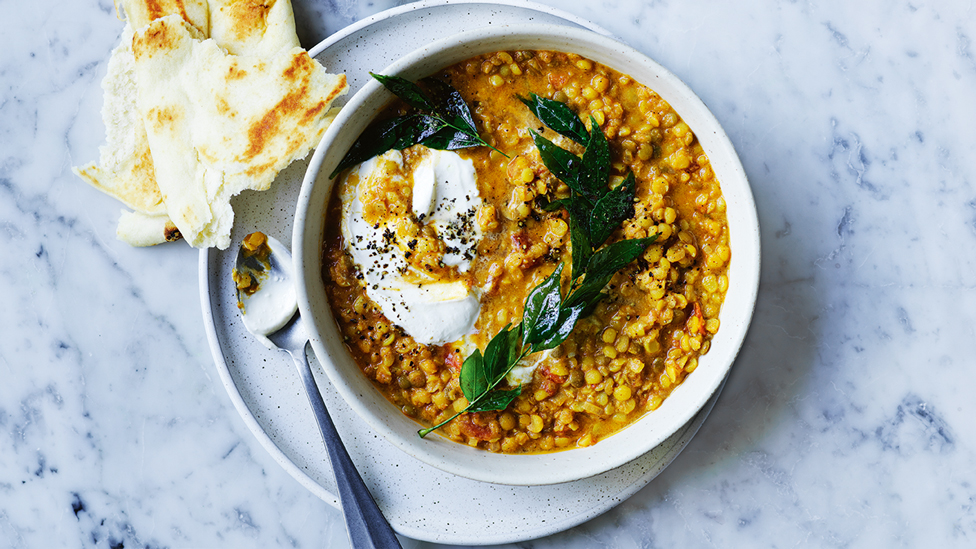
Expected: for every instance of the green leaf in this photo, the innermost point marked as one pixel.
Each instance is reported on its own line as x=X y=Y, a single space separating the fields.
x=568 y=317
x=541 y=312
x=595 y=168
x=558 y=116
x=481 y=374
x=445 y=123
x=613 y=257
x=450 y=105
x=406 y=90
x=562 y=163
x=474 y=380
x=392 y=133
x=449 y=139
x=444 y=104
x=499 y=399
x=579 y=233
x=501 y=353
x=581 y=246
x=604 y=264
x=611 y=210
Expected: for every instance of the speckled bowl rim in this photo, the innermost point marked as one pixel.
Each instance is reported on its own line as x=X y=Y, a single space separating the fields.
x=539 y=469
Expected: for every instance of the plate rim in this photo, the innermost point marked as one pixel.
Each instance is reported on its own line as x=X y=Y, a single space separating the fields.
x=423 y=4
x=208 y=258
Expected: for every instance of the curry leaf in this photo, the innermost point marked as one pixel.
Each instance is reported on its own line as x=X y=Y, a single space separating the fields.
x=482 y=374
x=499 y=399
x=568 y=317
x=392 y=133
x=501 y=353
x=595 y=166
x=604 y=264
x=613 y=257
x=562 y=163
x=579 y=239
x=473 y=379
x=449 y=104
x=541 y=312
x=406 y=90
x=444 y=122
x=449 y=139
x=443 y=103
x=558 y=116
x=611 y=210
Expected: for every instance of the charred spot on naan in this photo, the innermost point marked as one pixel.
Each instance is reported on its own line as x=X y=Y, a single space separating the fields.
x=299 y=69
x=290 y=108
x=171 y=233
x=142 y=185
x=265 y=129
x=255 y=171
x=143 y=12
x=158 y=36
x=248 y=17
x=234 y=72
x=224 y=108
x=293 y=109
x=156 y=9
x=164 y=119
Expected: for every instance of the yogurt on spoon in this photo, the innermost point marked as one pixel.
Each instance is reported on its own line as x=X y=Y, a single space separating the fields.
x=265 y=264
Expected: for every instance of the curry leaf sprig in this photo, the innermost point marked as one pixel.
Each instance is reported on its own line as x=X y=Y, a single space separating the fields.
x=443 y=122
x=482 y=375
x=595 y=212
x=595 y=209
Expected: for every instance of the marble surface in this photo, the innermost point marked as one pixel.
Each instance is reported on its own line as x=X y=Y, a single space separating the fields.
x=847 y=419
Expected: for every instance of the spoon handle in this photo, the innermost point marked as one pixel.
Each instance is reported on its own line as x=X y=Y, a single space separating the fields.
x=367 y=526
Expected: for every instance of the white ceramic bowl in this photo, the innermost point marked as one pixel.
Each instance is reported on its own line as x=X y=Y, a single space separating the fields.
x=565 y=466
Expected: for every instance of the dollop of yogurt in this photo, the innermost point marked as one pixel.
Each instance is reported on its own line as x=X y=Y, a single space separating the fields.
x=431 y=307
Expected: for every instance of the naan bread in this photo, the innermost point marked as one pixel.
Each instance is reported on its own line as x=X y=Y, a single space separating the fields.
x=139 y=229
x=126 y=169
x=242 y=27
x=218 y=124
x=253 y=27
x=140 y=13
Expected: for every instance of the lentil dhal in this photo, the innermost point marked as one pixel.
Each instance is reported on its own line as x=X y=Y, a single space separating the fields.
x=661 y=311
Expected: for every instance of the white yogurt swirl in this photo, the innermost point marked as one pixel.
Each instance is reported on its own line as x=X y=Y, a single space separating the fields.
x=445 y=196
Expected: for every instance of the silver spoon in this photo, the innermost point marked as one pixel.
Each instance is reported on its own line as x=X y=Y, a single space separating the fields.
x=266 y=295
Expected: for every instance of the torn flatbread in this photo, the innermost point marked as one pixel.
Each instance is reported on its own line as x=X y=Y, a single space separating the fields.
x=140 y=13
x=253 y=27
x=218 y=124
x=126 y=169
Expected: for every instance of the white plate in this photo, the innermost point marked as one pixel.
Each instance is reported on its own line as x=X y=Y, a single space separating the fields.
x=420 y=501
